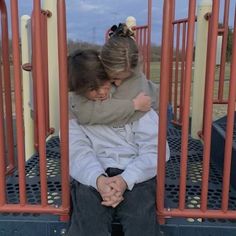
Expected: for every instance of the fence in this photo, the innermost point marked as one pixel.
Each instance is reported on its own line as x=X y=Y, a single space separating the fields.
x=183 y=210
x=40 y=74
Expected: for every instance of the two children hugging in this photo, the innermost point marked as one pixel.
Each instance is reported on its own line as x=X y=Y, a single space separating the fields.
x=112 y=135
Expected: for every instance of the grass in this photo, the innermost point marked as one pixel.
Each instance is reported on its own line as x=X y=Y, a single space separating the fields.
x=219 y=110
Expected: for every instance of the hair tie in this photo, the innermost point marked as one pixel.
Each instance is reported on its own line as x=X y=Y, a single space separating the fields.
x=121 y=30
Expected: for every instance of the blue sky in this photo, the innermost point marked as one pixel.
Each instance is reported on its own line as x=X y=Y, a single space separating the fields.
x=88 y=20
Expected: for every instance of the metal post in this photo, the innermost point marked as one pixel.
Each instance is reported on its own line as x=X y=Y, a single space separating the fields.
x=26 y=58
x=204 y=7
x=53 y=62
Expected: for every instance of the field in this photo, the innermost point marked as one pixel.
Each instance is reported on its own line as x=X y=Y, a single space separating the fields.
x=218 y=110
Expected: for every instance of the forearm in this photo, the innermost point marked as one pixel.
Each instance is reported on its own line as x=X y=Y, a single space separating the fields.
x=84 y=166
x=110 y=111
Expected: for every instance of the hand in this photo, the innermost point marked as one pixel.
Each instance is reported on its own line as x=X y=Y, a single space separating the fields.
x=110 y=196
x=104 y=188
x=142 y=102
x=113 y=196
x=118 y=183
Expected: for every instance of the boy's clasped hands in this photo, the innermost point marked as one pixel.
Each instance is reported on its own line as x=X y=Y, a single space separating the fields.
x=111 y=190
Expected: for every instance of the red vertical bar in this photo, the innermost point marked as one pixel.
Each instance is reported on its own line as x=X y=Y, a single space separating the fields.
x=149 y=38
x=40 y=102
x=230 y=126
x=188 y=76
x=171 y=51
x=209 y=39
x=18 y=100
x=145 y=57
x=182 y=81
x=62 y=49
x=45 y=67
x=34 y=39
x=137 y=35
x=176 y=72
x=7 y=85
x=211 y=57
x=223 y=51
x=2 y=149
x=164 y=91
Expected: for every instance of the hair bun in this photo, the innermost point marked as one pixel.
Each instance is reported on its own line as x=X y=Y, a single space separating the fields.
x=121 y=30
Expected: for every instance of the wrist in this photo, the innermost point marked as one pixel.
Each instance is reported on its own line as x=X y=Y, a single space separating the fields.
x=99 y=179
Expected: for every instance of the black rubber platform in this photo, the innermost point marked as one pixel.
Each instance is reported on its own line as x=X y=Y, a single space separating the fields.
x=38 y=225
x=218 y=143
x=197 y=226
x=35 y=224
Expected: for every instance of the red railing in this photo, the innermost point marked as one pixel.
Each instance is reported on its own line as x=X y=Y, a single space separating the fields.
x=223 y=31
x=6 y=139
x=176 y=95
x=39 y=67
x=177 y=73
x=30 y=67
x=182 y=210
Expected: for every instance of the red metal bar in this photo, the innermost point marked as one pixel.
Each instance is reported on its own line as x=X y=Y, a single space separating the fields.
x=185 y=124
x=45 y=67
x=210 y=75
x=2 y=149
x=145 y=54
x=35 y=111
x=176 y=73
x=7 y=86
x=171 y=53
x=40 y=102
x=197 y=213
x=163 y=104
x=18 y=100
x=223 y=51
x=148 y=60
x=209 y=36
x=62 y=49
x=229 y=127
x=182 y=81
x=33 y=209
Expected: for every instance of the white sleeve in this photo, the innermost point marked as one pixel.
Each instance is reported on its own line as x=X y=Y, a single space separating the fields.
x=84 y=166
x=144 y=166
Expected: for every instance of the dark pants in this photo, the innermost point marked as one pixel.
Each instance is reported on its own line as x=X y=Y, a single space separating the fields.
x=136 y=212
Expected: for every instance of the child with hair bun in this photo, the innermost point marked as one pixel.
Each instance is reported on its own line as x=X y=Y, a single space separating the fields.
x=121 y=60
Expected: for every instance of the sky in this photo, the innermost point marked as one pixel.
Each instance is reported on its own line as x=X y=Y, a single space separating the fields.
x=88 y=20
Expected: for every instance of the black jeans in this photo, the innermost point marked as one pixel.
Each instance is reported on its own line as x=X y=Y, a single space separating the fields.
x=136 y=212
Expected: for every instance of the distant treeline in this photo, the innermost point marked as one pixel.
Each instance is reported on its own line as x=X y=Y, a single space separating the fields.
x=73 y=45
x=155 y=49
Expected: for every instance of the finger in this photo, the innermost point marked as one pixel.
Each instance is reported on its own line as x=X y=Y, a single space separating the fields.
x=107 y=203
x=117 y=203
x=106 y=199
x=115 y=186
x=112 y=200
x=108 y=194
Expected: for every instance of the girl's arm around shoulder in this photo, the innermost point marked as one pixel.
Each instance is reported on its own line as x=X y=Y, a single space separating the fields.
x=109 y=111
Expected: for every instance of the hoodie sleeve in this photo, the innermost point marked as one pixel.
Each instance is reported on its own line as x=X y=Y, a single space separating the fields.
x=144 y=166
x=84 y=165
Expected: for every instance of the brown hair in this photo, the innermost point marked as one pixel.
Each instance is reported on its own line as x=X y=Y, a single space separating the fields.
x=120 y=52
x=85 y=71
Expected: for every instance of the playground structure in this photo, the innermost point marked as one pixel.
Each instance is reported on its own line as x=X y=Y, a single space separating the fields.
x=193 y=192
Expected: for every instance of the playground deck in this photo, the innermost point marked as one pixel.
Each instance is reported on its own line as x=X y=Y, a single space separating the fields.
x=43 y=224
